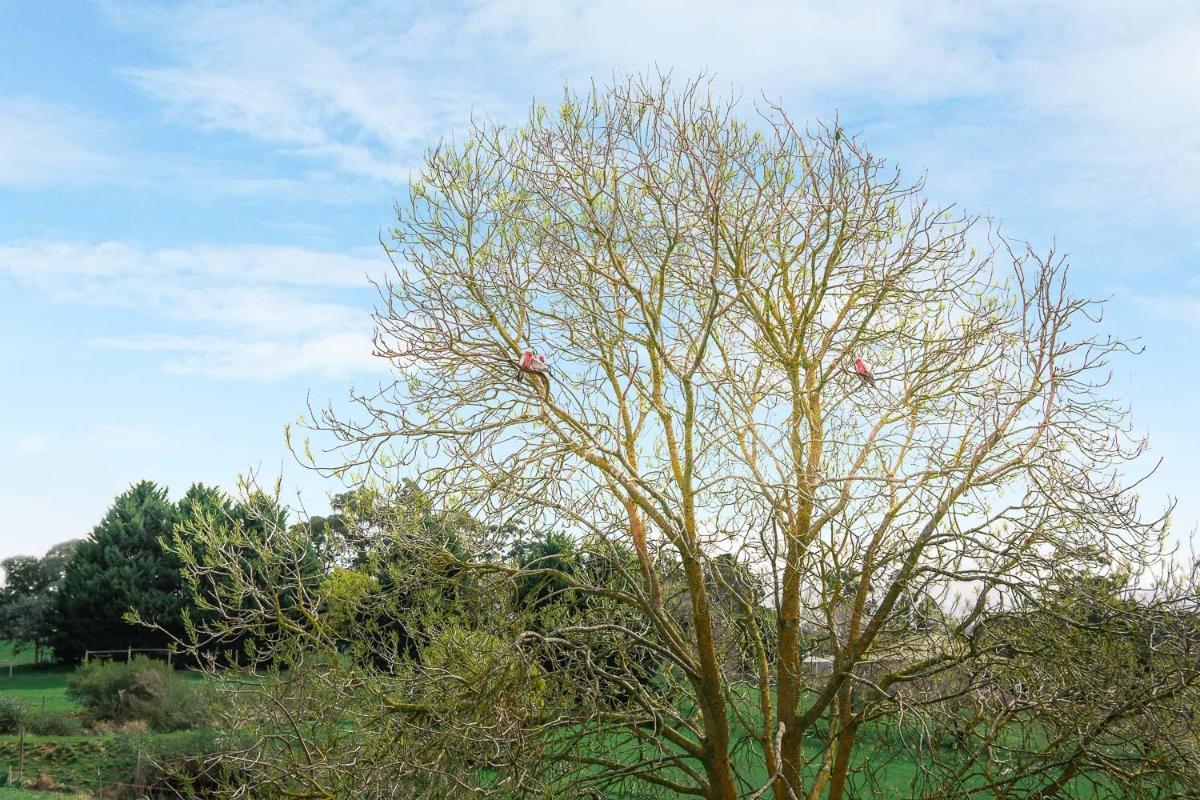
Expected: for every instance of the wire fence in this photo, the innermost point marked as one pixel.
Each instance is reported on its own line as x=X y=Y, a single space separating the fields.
x=128 y=651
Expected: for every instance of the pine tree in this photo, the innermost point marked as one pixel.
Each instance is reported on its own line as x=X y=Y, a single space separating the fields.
x=122 y=566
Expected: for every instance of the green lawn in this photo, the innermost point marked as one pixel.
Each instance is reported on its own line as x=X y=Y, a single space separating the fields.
x=44 y=686
x=30 y=794
x=39 y=687
x=7 y=656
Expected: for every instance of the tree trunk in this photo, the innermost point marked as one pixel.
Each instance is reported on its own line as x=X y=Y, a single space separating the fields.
x=846 y=735
x=709 y=690
x=790 y=680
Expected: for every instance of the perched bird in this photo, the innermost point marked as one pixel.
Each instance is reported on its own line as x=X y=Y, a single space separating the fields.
x=864 y=372
x=533 y=364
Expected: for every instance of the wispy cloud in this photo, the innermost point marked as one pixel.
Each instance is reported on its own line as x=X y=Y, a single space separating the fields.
x=32 y=445
x=335 y=354
x=1095 y=95
x=112 y=268
x=248 y=312
x=1179 y=308
x=100 y=439
x=364 y=89
x=43 y=144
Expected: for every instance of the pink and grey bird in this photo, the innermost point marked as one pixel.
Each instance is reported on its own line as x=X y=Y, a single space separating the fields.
x=864 y=372
x=533 y=363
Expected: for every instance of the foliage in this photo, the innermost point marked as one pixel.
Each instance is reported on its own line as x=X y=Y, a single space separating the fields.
x=12 y=712
x=22 y=576
x=52 y=723
x=27 y=619
x=248 y=528
x=141 y=689
x=701 y=284
x=405 y=565
x=27 y=599
x=182 y=765
x=122 y=566
x=475 y=673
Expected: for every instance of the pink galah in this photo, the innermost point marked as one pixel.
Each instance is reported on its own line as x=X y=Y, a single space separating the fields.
x=533 y=363
x=864 y=372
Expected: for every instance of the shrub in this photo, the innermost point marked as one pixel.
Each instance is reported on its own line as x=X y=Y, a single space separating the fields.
x=180 y=765
x=141 y=689
x=48 y=723
x=471 y=668
x=11 y=713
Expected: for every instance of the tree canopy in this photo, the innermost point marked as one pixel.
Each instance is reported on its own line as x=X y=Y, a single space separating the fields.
x=121 y=566
x=701 y=285
x=28 y=596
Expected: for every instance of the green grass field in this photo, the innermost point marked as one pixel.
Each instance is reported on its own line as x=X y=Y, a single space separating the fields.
x=36 y=686
x=86 y=762
x=7 y=654
x=39 y=688
x=78 y=763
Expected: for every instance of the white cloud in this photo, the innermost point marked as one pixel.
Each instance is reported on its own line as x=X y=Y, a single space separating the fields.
x=914 y=51
x=336 y=354
x=44 y=144
x=81 y=269
x=32 y=445
x=361 y=89
x=239 y=312
x=1093 y=99
x=368 y=87
x=1180 y=308
x=124 y=438
x=100 y=438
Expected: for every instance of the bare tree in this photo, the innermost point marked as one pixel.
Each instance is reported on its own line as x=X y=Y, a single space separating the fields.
x=798 y=557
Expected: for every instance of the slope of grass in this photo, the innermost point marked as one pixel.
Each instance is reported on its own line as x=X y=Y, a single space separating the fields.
x=71 y=761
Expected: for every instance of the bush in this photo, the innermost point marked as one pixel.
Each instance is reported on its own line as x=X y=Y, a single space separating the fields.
x=142 y=689
x=48 y=723
x=470 y=668
x=11 y=713
x=180 y=765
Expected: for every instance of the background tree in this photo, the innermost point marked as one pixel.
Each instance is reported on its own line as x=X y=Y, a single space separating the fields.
x=244 y=532
x=27 y=599
x=412 y=555
x=701 y=286
x=122 y=566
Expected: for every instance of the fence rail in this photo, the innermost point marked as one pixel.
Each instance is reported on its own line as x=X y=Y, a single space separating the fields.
x=128 y=651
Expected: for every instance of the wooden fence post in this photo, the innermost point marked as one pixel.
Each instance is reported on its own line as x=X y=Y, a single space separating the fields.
x=128 y=654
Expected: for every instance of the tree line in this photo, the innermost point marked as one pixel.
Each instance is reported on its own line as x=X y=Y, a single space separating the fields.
x=77 y=596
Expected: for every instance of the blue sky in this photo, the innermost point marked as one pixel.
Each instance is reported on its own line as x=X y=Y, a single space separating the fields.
x=191 y=194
